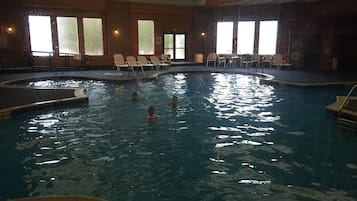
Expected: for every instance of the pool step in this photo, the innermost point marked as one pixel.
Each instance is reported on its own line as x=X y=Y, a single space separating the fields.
x=347 y=124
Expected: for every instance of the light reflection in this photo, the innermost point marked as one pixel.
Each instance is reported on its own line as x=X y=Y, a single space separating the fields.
x=248 y=165
x=233 y=97
x=220 y=145
x=247 y=104
x=62 y=147
x=219 y=172
x=216 y=160
x=37 y=154
x=175 y=85
x=222 y=128
x=254 y=182
x=257 y=134
x=250 y=142
x=45 y=148
x=222 y=136
x=50 y=162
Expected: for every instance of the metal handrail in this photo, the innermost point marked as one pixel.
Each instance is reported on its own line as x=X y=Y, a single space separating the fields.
x=346 y=99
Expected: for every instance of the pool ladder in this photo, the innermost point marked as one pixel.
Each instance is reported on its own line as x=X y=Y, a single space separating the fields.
x=347 y=118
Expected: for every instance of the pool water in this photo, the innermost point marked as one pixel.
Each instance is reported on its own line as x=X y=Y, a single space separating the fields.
x=230 y=138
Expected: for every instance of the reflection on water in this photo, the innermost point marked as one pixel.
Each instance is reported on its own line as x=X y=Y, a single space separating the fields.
x=230 y=138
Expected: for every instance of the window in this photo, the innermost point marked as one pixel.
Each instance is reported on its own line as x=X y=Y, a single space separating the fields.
x=169 y=44
x=180 y=46
x=267 y=37
x=224 y=37
x=245 y=37
x=175 y=45
x=93 y=36
x=40 y=35
x=67 y=30
x=146 y=37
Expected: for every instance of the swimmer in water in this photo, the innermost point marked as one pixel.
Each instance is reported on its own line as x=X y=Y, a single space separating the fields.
x=134 y=96
x=151 y=114
x=173 y=102
x=120 y=89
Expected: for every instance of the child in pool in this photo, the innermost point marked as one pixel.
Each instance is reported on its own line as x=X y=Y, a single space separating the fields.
x=151 y=113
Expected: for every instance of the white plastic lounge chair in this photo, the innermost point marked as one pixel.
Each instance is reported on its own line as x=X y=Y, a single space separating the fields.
x=120 y=63
x=222 y=60
x=255 y=61
x=165 y=58
x=144 y=62
x=250 y=61
x=279 y=62
x=246 y=60
x=211 y=58
x=134 y=64
x=156 y=61
x=266 y=61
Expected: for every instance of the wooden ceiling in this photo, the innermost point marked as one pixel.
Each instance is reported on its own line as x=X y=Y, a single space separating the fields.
x=217 y=2
x=250 y=2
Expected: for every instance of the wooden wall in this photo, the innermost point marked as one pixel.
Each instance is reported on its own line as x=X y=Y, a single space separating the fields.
x=12 y=44
x=116 y=15
x=318 y=31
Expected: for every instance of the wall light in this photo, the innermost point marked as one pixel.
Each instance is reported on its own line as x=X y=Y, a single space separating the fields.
x=116 y=32
x=10 y=30
x=203 y=34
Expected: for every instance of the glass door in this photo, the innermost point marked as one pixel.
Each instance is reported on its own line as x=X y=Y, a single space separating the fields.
x=175 y=45
x=169 y=45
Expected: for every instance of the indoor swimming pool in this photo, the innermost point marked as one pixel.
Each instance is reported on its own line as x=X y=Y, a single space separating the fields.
x=230 y=138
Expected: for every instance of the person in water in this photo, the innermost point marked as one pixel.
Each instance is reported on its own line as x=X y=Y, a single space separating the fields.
x=151 y=113
x=134 y=96
x=174 y=101
x=120 y=89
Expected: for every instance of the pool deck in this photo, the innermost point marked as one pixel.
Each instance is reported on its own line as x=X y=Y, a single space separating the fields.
x=14 y=98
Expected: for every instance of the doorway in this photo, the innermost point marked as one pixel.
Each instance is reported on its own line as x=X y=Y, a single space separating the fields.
x=175 y=46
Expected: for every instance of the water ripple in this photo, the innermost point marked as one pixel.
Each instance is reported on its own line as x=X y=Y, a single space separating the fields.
x=229 y=139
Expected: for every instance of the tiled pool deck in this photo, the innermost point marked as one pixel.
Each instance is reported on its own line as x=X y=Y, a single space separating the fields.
x=15 y=98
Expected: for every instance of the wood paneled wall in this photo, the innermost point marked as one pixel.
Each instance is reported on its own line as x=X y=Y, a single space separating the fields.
x=326 y=26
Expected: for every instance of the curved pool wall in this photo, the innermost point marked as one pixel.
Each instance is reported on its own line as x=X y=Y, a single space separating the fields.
x=18 y=99
x=231 y=138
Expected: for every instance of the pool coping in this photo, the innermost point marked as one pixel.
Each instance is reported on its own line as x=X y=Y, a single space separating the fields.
x=60 y=197
x=79 y=95
x=307 y=84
